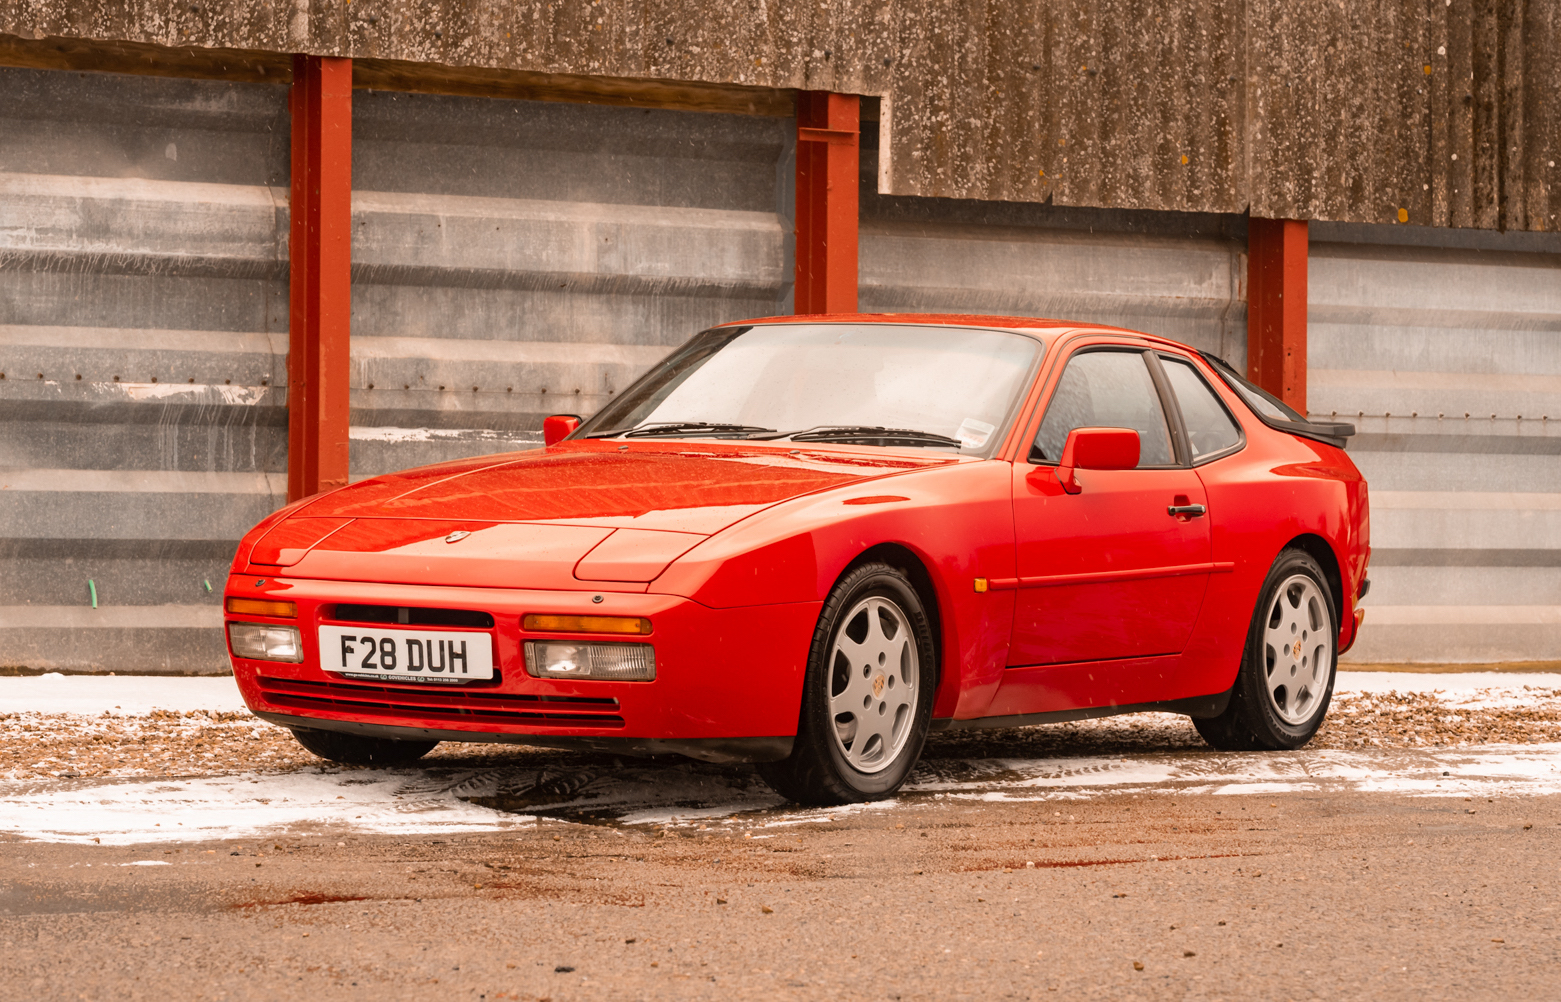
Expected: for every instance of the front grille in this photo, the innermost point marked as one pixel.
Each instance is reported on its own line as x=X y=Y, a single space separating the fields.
x=443 y=705
x=404 y=616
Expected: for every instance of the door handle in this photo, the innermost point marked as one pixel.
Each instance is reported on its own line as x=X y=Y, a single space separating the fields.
x=1190 y=510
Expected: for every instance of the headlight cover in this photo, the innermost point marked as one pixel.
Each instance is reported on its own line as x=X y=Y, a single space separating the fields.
x=604 y=662
x=266 y=642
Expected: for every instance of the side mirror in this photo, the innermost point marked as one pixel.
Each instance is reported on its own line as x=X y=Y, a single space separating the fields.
x=558 y=427
x=1096 y=449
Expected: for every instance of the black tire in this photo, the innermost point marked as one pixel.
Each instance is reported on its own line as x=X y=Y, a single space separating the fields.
x=355 y=749
x=1255 y=720
x=820 y=770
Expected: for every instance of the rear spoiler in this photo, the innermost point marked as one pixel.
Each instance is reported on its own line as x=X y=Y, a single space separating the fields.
x=1273 y=412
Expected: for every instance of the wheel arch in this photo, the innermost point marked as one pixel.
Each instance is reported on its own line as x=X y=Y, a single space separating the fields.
x=904 y=559
x=1318 y=549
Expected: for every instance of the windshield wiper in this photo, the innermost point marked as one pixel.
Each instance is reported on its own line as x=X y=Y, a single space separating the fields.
x=670 y=428
x=871 y=435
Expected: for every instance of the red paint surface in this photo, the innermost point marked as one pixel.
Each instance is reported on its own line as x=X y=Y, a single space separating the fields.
x=557 y=427
x=729 y=548
x=634 y=555
x=287 y=543
x=1105 y=573
x=319 y=275
x=828 y=138
x=1276 y=308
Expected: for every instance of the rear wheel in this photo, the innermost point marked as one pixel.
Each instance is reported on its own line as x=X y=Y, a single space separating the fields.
x=867 y=694
x=354 y=749
x=1286 y=679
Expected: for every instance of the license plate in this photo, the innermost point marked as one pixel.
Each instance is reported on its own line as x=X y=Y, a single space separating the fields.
x=406 y=655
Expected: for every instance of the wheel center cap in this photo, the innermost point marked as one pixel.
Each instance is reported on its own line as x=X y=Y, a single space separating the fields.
x=878 y=681
x=1295 y=650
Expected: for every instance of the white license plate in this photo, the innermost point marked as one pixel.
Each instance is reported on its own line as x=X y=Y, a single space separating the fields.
x=409 y=655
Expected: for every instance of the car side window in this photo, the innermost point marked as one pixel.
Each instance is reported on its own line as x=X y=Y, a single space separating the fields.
x=1210 y=428
x=1105 y=389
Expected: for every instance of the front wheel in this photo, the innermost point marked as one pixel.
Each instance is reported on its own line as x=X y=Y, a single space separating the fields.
x=867 y=694
x=354 y=749
x=1285 y=682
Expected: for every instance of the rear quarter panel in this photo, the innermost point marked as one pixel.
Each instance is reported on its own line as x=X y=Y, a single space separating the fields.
x=1277 y=490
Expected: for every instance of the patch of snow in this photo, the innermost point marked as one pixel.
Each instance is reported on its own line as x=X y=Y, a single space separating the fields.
x=1474 y=690
x=388 y=433
x=228 y=807
x=129 y=695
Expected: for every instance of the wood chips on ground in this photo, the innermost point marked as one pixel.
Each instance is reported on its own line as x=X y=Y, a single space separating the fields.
x=196 y=743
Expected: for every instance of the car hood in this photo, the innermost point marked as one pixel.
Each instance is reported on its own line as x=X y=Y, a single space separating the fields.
x=562 y=517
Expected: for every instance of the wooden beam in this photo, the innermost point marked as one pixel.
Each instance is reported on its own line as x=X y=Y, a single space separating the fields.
x=396 y=75
x=477 y=81
x=1276 y=307
x=319 y=270
x=828 y=148
x=145 y=60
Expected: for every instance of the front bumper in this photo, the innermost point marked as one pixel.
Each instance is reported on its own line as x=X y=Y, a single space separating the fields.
x=728 y=682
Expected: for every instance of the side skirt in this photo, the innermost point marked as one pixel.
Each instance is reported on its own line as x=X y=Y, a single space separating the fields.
x=1200 y=707
x=705 y=749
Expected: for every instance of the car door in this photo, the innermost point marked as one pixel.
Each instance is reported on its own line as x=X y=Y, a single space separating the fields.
x=1112 y=571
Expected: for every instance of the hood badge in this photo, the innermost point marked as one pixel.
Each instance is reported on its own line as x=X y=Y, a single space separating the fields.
x=457 y=536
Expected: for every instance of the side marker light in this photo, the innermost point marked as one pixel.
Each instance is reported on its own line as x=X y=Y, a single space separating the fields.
x=981 y=584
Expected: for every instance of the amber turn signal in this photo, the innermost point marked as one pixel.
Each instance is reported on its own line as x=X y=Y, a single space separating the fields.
x=981 y=584
x=261 y=607
x=584 y=624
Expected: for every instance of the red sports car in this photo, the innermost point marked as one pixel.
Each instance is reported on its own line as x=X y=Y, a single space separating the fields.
x=806 y=542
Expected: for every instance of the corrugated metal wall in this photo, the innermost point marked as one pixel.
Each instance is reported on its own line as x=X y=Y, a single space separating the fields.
x=511 y=259
x=1448 y=360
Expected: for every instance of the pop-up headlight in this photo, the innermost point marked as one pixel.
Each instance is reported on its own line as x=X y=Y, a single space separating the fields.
x=265 y=642
x=606 y=662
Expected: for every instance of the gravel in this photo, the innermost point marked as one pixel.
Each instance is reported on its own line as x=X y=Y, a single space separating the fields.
x=208 y=742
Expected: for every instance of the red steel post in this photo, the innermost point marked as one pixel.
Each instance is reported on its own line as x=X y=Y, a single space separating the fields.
x=1276 y=308
x=828 y=140
x=319 y=273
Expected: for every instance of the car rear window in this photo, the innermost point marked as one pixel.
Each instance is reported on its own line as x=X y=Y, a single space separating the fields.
x=1210 y=428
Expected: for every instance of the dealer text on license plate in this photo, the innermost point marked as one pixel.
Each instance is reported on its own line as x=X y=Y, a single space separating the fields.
x=411 y=655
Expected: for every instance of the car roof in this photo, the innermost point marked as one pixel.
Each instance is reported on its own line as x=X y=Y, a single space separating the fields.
x=949 y=320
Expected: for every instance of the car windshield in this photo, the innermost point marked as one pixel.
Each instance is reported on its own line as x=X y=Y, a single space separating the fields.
x=868 y=384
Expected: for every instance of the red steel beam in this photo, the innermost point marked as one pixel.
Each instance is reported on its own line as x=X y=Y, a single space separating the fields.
x=319 y=272
x=828 y=140
x=1276 y=308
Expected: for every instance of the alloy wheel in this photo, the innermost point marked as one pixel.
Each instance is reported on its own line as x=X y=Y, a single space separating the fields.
x=1297 y=649
x=874 y=671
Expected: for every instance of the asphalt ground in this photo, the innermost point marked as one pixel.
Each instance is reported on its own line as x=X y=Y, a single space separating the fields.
x=1127 y=895
x=197 y=854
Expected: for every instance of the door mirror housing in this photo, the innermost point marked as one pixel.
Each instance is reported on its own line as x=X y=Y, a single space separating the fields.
x=558 y=427
x=1096 y=449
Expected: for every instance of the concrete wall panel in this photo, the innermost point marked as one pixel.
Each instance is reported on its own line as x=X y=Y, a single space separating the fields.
x=1375 y=111
x=143 y=338
x=511 y=260
x=1448 y=360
